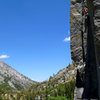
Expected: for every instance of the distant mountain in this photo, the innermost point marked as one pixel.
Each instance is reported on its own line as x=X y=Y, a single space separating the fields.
x=59 y=87
x=11 y=79
x=66 y=74
x=60 y=84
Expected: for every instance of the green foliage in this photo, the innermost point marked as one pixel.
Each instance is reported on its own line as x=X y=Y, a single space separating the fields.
x=18 y=96
x=57 y=98
x=69 y=89
x=18 y=86
x=58 y=92
x=1 y=97
x=6 y=79
x=47 y=90
x=5 y=84
x=64 y=91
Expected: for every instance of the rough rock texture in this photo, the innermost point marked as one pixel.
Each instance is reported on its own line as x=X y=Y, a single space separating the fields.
x=66 y=74
x=12 y=78
x=85 y=47
x=97 y=36
x=76 y=19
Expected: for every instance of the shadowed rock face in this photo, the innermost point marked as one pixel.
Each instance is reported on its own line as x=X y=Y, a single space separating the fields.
x=85 y=47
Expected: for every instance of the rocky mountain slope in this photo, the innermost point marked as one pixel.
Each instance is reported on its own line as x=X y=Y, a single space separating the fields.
x=66 y=74
x=58 y=83
x=59 y=86
x=10 y=78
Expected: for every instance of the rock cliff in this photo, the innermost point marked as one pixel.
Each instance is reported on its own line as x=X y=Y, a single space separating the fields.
x=85 y=47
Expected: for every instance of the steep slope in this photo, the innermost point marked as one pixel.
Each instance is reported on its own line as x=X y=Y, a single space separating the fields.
x=66 y=74
x=10 y=78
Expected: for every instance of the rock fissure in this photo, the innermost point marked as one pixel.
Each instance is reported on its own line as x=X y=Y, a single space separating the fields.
x=86 y=50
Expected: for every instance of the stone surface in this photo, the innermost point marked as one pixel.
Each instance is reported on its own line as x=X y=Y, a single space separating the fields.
x=12 y=77
x=78 y=93
x=85 y=47
x=76 y=41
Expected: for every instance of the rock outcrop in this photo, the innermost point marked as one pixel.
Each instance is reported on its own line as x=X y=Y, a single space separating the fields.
x=85 y=47
x=10 y=78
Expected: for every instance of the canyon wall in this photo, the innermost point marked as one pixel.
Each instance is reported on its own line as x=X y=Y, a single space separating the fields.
x=85 y=47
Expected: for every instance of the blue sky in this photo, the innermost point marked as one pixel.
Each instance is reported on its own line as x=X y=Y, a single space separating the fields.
x=34 y=36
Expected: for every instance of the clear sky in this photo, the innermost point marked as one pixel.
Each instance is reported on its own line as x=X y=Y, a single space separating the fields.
x=35 y=36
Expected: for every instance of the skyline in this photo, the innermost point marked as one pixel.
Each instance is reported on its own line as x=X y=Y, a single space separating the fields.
x=35 y=36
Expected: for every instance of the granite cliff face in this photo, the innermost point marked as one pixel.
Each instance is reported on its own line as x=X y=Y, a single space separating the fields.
x=10 y=78
x=85 y=47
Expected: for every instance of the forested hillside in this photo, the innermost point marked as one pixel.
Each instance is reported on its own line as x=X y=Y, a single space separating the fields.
x=59 y=87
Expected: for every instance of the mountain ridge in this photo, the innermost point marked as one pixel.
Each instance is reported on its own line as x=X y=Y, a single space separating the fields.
x=10 y=77
x=60 y=84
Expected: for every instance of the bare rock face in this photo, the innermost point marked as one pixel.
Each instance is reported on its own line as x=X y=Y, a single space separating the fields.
x=76 y=41
x=12 y=79
x=85 y=47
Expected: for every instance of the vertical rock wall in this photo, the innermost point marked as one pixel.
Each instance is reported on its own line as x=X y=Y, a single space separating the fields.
x=76 y=40
x=85 y=47
x=97 y=36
